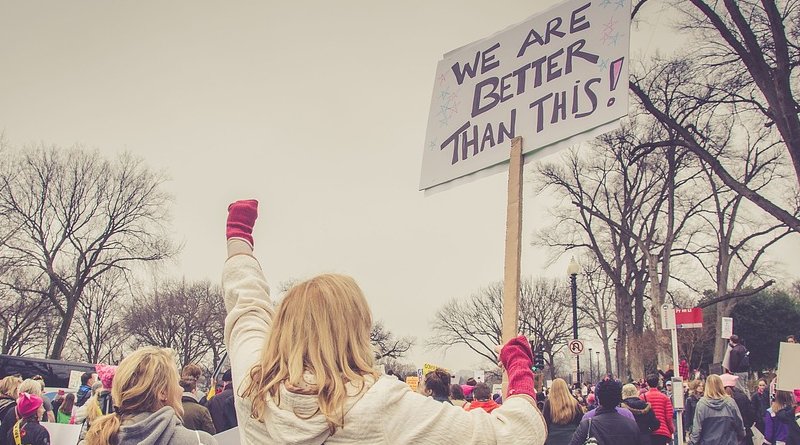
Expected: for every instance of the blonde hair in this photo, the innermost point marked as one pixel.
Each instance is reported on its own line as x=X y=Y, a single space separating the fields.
x=714 y=388
x=10 y=386
x=563 y=407
x=141 y=381
x=694 y=385
x=93 y=411
x=323 y=327
x=31 y=387
x=630 y=390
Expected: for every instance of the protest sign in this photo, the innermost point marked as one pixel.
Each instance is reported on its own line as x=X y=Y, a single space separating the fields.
x=228 y=437
x=559 y=73
x=427 y=367
x=479 y=375
x=62 y=434
x=412 y=382
x=74 y=379
x=788 y=363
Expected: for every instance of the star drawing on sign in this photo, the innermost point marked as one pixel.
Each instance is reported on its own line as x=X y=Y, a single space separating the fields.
x=602 y=62
x=608 y=28
x=615 y=37
x=605 y=3
x=432 y=145
x=620 y=4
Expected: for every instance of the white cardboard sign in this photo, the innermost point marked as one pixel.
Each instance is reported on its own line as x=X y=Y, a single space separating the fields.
x=558 y=74
x=727 y=327
x=788 y=364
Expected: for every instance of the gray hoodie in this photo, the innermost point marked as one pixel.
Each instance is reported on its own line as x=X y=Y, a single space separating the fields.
x=162 y=427
x=717 y=422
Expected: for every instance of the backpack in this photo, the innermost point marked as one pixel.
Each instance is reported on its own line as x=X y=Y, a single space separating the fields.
x=5 y=405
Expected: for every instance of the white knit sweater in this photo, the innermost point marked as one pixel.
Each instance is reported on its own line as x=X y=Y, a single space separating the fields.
x=387 y=413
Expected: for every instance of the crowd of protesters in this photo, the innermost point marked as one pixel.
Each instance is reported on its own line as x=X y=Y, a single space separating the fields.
x=298 y=385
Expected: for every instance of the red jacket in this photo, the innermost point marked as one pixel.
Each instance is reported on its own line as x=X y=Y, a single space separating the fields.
x=662 y=408
x=488 y=405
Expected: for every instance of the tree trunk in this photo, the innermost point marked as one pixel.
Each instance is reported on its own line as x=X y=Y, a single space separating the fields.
x=635 y=357
x=63 y=332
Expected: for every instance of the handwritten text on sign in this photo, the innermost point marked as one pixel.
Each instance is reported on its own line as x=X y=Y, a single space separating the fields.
x=558 y=74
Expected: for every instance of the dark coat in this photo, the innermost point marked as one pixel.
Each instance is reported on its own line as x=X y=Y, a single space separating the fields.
x=195 y=416
x=760 y=404
x=746 y=410
x=609 y=428
x=645 y=418
x=223 y=410
x=688 y=413
x=560 y=434
x=7 y=421
x=31 y=433
x=736 y=361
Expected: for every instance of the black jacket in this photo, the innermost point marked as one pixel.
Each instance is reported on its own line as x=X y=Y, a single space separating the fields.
x=645 y=417
x=745 y=409
x=609 y=428
x=737 y=356
x=31 y=433
x=560 y=434
x=760 y=404
x=223 y=410
x=688 y=412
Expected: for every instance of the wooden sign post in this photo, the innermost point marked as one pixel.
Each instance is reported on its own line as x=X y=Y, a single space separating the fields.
x=513 y=248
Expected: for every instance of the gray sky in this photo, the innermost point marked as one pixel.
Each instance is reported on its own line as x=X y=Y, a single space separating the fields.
x=317 y=109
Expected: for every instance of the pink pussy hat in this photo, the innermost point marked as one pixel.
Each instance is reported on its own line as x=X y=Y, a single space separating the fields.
x=28 y=404
x=729 y=379
x=106 y=374
x=797 y=395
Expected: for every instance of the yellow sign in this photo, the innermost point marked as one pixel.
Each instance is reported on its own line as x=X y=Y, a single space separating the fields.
x=413 y=382
x=427 y=367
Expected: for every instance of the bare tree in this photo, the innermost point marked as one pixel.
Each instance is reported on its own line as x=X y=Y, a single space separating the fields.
x=186 y=317
x=544 y=317
x=100 y=334
x=80 y=216
x=385 y=343
x=596 y=303
x=744 y=65
x=24 y=317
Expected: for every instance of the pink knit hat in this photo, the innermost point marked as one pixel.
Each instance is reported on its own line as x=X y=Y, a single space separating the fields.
x=106 y=374
x=729 y=379
x=590 y=399
x=797 y=395
x=28 y=404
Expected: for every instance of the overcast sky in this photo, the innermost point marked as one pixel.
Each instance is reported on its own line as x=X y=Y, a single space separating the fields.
x=317 y=109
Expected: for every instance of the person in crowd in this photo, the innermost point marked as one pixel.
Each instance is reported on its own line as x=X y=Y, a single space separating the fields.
x=105 y=373
x=222 y=407
x=9 y=389
x=716 y=419
x=468 y=387
x=49 y=415
x=100 y=403
x=64 y=412
x=457 y=396
x=607 y=426
x=760 y=403
x=776 y=430
x=683 y=370
x=591 y=402
x=27 y=386
x=437 y=385
x=739 y=363
x=482 y=399
x=85 y=390
x=642 y=413
x=562 y=414
x=696 y=389
x=25 y=429
x=742 y=402
x=80 y=414
x=147 y=399
x=320 y=385
x=195 y=416
x=662 y=408
x=57 y=401
x=668 y=389
x=791 y=339
x=667 y=375
x=193 y=372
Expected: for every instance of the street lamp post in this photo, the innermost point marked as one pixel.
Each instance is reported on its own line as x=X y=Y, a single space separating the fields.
x=591 y=369
x=572 y=271
x=597 y=353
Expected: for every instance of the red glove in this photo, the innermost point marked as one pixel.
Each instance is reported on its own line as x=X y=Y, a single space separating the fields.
x=241 y=219
x=517 y=358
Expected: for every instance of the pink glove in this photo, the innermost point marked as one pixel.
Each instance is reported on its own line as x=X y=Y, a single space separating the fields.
x=241 y=219
x=517 y=358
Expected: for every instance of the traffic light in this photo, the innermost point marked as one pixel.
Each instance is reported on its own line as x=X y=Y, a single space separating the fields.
x=538 y=358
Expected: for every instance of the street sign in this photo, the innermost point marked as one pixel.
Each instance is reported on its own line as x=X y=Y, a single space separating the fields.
x=689 y=318
x=727 y=327
x=575 y=346
x=667 y=317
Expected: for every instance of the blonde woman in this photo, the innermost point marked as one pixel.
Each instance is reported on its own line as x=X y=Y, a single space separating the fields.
x=717 y=420
x=9 y=390
x=562 y=413
x=147 y=399
x=305 y=373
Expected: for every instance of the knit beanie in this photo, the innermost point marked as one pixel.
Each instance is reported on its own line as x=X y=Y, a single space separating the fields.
x=609 y=392
x=106 y=374
x=28 y=404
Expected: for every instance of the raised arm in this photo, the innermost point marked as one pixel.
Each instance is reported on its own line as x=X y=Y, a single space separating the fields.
x=246 y=292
